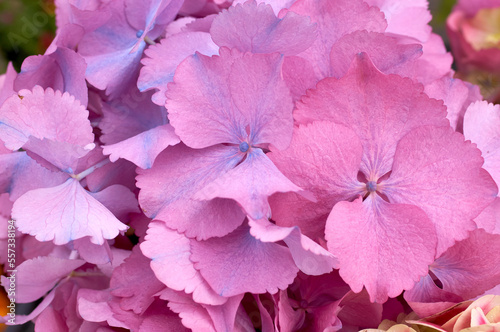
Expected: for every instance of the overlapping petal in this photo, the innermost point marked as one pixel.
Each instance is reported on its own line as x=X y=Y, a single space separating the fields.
x=170 y=254
x=382 y=246
x=266 y=267
x=252 y=27
x=53 y=125
x=229 y=95
x=380 y=108
x=168 y=188
x=438 y=171
x=323 y=158
x=64 y=213
x=162 y=60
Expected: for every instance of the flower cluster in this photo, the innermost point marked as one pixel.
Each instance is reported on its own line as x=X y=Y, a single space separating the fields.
x=208 y=165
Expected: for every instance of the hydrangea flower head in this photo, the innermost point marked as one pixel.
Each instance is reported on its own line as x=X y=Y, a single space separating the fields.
x=418 y=184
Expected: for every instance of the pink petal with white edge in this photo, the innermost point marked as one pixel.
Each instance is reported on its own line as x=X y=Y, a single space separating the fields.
x=143 y=149
x=308 y=163
x=407 y=18
x=482 y=126
x=387 y=54
x=162 y=60
x=230 y=94
x=36 y=277
x=64 y=213
x=49 y=115
x=466 y=269
x=489 y=219
x=382 y=246
x=168 y=187
x=250 y=184
x=438 y=171
x=252 y=27
x=365 y=101
x=310 y=257
x=457 y=96
x=170 y=261
x=335 y=19
x=238 y=263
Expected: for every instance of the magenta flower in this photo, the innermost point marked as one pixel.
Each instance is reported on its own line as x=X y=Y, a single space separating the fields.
x=462 y=272
x=227 y=130
x=55 y=131
x=393 y=149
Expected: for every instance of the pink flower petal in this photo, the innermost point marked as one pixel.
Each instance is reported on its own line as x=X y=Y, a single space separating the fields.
x=230 y=94
x=20 y=174
x=130 y=115
x=64 y=213
x=151 y=16
x=457 y=96
x=62 y=70
x=238 y=263
x=143 y=149
x=36 y=277
x=118 y=199
x=363 y=95
x=93 y=253
x=7 y=83
x=200 y=317
x=438 y=171
x=307 y=162
x=252 y=27
x=357 y=310
x=435 y=62
x=250 y=184
x=489 y=219
x=309 y=256
x=408 y=18
x=382 y=246
x=466 y=269
x=168 y=187
x=387 y=54
x=170 y=253
x=47 y=115
x=162 y=60
x=299 y=75
x=426 y=298
x=135 y=282
x=121 y=172
x=193 y=315
x=335 y=19
x=481 y=126
x=95 y=306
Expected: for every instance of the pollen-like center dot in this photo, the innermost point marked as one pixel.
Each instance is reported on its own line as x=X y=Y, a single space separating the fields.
x=371 y=186
x=139 y=33
x=244 y=146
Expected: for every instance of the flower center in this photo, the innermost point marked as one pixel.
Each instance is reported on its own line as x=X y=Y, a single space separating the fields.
x=139 y=33
x=371 y=186
x=244 y=146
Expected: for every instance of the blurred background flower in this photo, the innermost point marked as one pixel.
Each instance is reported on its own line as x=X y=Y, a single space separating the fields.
x=26 y=27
